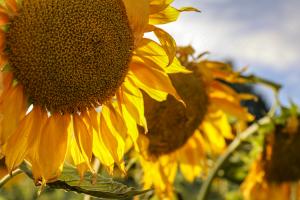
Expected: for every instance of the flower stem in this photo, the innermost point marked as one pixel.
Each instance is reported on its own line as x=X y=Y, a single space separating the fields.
x=231 y=148
x=8 y=177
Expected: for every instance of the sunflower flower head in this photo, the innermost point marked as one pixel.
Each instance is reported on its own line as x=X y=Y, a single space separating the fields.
x=281 y=157
x=276 y=171
x=255 y=186
x=72 y=75
x=182 y=137
x=171 y=123
x=65 y=67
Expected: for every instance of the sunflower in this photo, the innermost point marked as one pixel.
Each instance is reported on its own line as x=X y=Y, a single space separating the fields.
x=182 y=136
x=72 y=75
x=276 y=173
x=255 y=186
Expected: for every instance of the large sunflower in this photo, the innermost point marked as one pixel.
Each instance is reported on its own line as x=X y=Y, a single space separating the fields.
x=188 y=134
x=71 y=76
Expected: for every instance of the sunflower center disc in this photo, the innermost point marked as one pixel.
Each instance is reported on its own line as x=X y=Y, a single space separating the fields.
x=70 y=54
x=170 y=124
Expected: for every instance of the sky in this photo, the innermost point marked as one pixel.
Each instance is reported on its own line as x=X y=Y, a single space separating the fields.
x=261 y=34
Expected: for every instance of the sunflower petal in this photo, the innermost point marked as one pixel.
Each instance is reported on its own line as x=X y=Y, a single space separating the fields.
x=158 y=5
x=155 y=94
x=4 y=19
x=2 y=36
x=169 y=14
x=232 y=109
x=216 y=140
x=13 y=109
x=154 y=78
x=52 y=148
x=167 y=42
x=81 y=145
x=12 y=6
x=24 y=138
x=188 y=9
x=132 y=129
x=221 y=122
x=154 y=56
x=134 y=102
x=116 y=120
x=138 y=16
x=112 y=139
x=189 y=158
x=94 y=118
x=101 y=151
x=99 y=148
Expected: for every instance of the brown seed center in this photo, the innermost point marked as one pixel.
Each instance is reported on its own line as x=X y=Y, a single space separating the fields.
x=170 y=124
x=70 y=54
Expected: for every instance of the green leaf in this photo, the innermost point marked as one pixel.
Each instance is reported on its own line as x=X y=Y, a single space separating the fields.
x=93 y=185
x=102 y=187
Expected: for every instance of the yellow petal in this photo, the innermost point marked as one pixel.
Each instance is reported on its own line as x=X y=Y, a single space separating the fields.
x=6 y=83
x=52 y=147
x=12 y=108
x=99 y=148
x=246 y=96
x=160 y=174
x=138 y=16
x=115 y=120
x=112 y=139
x=189 y=158
x=214 y=136
x=101 y=151
x=153 y=78
x=221 y=87
x=155 y=94
x=4 y=19
x=232 y=109
x=81 y=145
x=2 y=34
x=154 y=56
x=221 y=122
x=12 y=6
x=167 y=15
x=158 y=5
x=134 y=102
x=167 y=42
x=188 y=9
x=24 y=138
x=94 y=118
x=132 y=132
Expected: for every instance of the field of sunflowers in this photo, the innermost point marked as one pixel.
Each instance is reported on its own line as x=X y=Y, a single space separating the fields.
x=97 y=101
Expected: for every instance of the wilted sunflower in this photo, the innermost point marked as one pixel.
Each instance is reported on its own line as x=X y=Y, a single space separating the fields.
x=182 y=136
x=255 y=186
x=62 y=60
x=277 y=171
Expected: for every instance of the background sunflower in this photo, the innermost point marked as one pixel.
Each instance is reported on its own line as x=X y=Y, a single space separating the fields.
x=185 y=137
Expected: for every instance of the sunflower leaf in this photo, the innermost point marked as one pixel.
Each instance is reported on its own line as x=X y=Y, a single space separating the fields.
x=97 y=186
x=101 y=187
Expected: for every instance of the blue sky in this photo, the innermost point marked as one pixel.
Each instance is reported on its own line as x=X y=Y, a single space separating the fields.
x=261 y=34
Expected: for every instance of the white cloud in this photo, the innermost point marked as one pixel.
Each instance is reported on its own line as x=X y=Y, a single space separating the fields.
x=265 y=37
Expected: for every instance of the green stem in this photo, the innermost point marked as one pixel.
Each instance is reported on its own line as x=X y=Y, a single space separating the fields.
x=268 y=83
x=8 y=177
x=231 y=148
x=26 y=170
x=294 y=191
